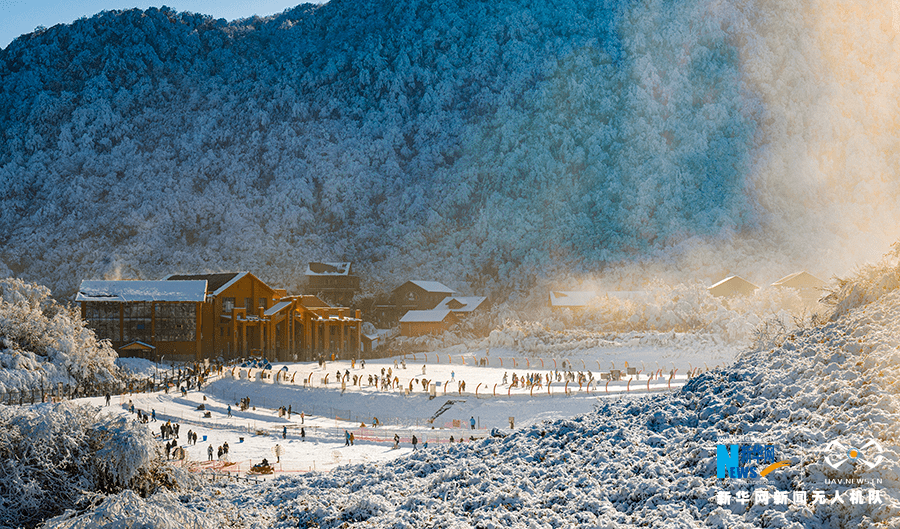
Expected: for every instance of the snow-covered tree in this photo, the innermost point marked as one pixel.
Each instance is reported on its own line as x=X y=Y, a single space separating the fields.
x=53 y=457
x=43 y=343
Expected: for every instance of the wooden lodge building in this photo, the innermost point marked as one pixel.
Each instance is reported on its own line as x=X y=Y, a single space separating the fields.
x=335 y=282
x=427 y=307
x=232 y=315
x=412 y=295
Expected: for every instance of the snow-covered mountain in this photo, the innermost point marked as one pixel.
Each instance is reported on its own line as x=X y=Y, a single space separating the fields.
x=491 y=145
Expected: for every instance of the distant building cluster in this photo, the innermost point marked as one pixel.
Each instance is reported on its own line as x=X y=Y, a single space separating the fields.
x=236 y=315
x=807 y=285
x=427 y=307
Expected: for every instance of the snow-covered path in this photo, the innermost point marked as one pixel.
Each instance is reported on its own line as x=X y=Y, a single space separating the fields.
x=328 y=410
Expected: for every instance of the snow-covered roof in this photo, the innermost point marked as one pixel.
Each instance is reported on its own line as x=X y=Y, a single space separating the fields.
x=732 y=285
x=130 y=290
x=425 y=316
x=433 y=286
x=278 y=307
x=217 y=283
x=136 y=344
x=571 y=298
x=461 y=303
x=237 y=277
x=328 y=269
x=799 y=280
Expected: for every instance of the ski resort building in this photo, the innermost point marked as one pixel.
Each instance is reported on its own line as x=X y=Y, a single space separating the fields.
x=333 y=281
x=732 y=286
x=572 y=299
x=412 y=295
x=230 y=315
x=422 y=322
x=146 y=318
x=427 y=307
x=808 y=285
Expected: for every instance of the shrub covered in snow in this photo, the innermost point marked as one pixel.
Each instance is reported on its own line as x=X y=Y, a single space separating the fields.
x=55 y=456
x=128 y=509
x=45 y=343
x=866 y=284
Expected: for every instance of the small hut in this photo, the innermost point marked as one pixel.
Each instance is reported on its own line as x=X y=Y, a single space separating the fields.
x=422 y=322
x=808 y=285
x=732 y=286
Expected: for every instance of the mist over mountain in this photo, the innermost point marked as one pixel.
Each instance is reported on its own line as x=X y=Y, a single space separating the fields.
x=491 y=145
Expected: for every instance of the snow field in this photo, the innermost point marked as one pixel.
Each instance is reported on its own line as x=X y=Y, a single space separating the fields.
x=329 y=411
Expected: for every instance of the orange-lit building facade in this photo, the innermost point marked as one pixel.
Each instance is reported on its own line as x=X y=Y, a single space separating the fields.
x=239 y=316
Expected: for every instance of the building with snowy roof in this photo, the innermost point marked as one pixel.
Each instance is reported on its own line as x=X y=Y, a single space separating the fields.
x=232 y=315
x=333 y=281
x=572 y=299
x=809 y=286
x=463 y=305
x=423 y=322
x=732 y=286
x=146 y=318
x=412 y=295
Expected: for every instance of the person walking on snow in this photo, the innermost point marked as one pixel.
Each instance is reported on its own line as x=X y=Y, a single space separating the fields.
x=278 y=451
x=209 y=452
x=396 y=442
x=346 y=438
x=415 y=441
x=472 y=422
x=229 y=410
x=284 y=432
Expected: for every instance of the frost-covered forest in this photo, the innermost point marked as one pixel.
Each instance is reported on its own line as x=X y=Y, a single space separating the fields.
x=494 y=146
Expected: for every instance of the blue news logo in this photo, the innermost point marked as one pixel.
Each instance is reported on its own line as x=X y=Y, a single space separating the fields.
x=745 y=461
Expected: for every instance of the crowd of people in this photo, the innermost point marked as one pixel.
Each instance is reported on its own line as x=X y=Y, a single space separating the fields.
x=387 y=378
